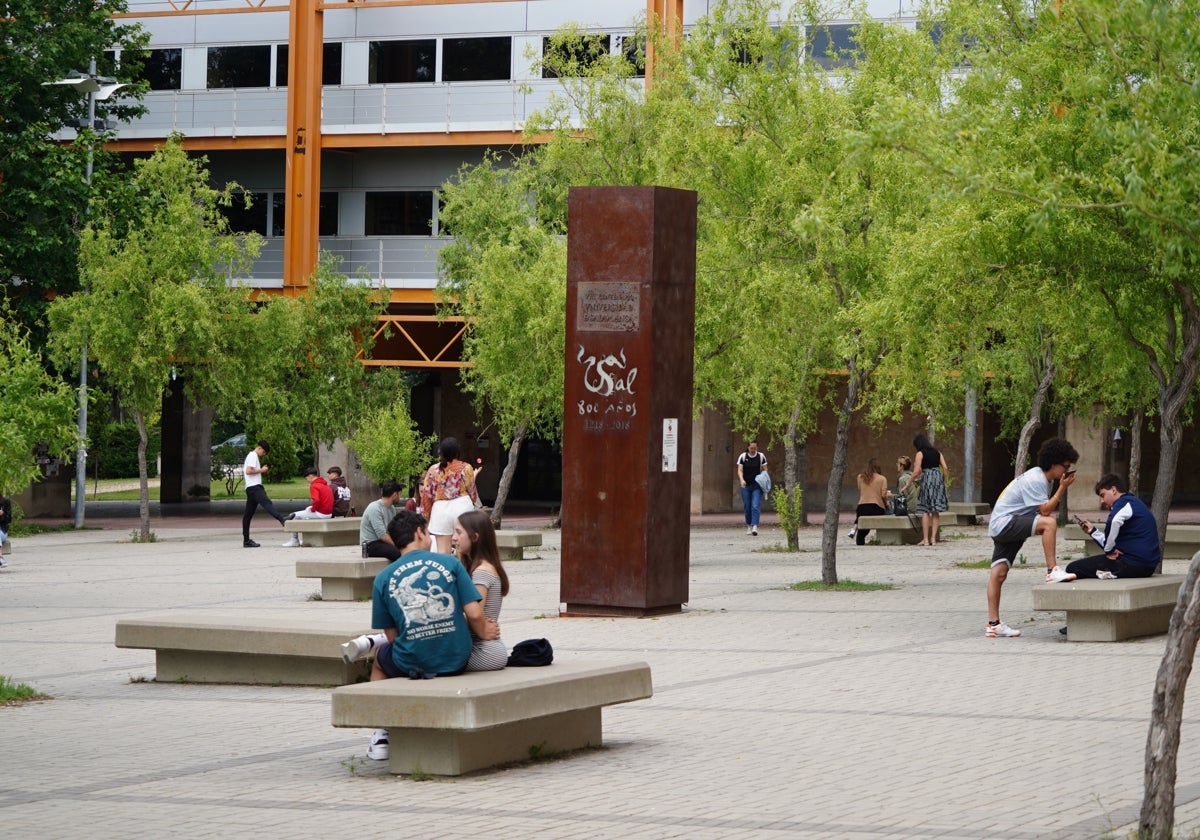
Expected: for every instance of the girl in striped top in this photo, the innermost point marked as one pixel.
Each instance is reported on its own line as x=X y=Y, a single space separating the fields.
x=475 y=544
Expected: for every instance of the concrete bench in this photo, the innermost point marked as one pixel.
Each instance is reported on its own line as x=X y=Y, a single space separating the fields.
x=454 y=725
x=893 y=530
x=1181 y=541
x=970 y=513
x=237 y=647
x=1111 y=610
x=512 y=544
x=343 y=578
x=340 y=530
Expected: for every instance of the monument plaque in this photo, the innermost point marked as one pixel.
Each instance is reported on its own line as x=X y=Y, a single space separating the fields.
x=631 y=292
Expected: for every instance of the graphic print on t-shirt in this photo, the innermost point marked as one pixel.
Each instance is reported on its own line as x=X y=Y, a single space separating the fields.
x=420 y=593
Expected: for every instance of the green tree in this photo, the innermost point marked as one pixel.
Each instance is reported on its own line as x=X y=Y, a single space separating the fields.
x=156 y=301
x=505 y=274
x=43 y=190
x=797 y=214
x=36 y=409
x=389 y=445
x=310 y=389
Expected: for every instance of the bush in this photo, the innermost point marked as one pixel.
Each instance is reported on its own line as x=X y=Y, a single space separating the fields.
x=113 y=451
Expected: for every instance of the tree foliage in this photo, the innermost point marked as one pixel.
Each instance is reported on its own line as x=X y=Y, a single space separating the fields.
x=156 y=303
x=505 y=274
x=36 y=409
x=389 y=445
x=43 y=191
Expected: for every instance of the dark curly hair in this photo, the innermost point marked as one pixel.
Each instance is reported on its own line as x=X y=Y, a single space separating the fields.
x=1056 y=451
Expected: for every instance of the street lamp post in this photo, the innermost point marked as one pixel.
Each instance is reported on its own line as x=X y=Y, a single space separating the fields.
x=97 y=88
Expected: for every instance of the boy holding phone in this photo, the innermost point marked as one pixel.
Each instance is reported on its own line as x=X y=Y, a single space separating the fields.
x=1129 y=540
x=1026 y=509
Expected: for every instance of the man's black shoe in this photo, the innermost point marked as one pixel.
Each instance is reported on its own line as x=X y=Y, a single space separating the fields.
x=289 y=517
x=249 y=544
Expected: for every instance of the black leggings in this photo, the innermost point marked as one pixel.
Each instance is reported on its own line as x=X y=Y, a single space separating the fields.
x=1088 y=566
x=860 y=535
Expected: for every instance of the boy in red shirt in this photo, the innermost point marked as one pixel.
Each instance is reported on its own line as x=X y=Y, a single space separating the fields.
x=322 y=503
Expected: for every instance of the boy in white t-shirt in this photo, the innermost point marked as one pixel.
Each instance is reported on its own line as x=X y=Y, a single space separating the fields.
x=1026 y=508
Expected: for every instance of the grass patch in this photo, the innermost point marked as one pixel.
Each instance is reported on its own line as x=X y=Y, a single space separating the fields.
x=28 y=529
x=840 y=586
x=14 y=693
x=974 y=564
x=296 y=488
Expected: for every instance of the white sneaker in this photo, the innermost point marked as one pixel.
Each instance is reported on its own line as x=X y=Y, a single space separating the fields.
x=852 y=532
x=754 y=531
x=1002 y=630
x=361 y=646
x=1057 y=575
x=749 y=530
x=294 y=542
x=2 y=562
x=378 y=748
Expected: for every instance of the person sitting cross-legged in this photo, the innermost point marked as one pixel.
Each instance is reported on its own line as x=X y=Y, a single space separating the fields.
x=1129 y=539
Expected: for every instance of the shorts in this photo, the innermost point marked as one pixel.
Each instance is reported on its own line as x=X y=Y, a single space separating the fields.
x=445 y=514
x=1008 y=542
x=383 y=656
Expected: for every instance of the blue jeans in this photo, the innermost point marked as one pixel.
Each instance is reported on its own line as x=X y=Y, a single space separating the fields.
x=752 y=502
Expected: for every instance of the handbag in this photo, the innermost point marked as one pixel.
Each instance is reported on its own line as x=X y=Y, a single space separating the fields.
x=899 y=506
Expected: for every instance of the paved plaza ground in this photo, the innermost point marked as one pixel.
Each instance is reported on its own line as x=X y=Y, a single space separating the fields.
x=775 y=713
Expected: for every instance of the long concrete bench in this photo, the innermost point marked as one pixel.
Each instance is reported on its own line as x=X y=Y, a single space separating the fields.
x=236 y=647
x=343 y=578
x=512 y=544
x=1181 y=541
x=454 y=725
x=340 y=530
x=1111 y=610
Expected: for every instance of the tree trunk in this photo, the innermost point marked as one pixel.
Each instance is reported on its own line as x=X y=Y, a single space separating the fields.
x=802 y=478
x=1157 y=819
x=833 y=491
x=1135 y=450
x=787 y=518
x=510 y=468
x=143 y=475
x=1035 y=410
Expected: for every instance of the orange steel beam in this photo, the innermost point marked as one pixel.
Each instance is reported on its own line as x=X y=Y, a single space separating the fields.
x=666 y=17
x=431 y=356
x=335 y=141
x=303 y=173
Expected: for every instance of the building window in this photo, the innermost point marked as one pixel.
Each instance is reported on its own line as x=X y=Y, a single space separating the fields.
x=399 y=213
x=572 y=56
x=239 y=67
x=476 y=59
x=834 y=45
x=162 y=69
x=331 y=64
x=633 y=48
x=243 y=219
x=401 y=62
x=327 y=220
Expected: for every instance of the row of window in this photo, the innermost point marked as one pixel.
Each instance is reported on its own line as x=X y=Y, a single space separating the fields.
x=462 y=59
x=386 y=213
x=389 y=62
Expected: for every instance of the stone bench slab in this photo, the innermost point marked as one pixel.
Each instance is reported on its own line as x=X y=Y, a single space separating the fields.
x=454 y=725
x=340 y=530
x=512 y=544
x=1111 y=610
x=343 y=578
x=236 y=647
